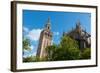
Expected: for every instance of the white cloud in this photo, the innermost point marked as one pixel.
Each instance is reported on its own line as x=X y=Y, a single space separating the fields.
x=32 y=47
x=34 y=34
x=25 y=29
x=52 y=42
x=56 y=33
x=26 y=51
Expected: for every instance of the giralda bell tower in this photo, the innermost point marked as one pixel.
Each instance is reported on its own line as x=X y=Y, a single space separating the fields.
x=45 y=40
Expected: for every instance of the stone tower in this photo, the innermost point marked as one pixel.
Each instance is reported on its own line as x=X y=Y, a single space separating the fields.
x=45 y=40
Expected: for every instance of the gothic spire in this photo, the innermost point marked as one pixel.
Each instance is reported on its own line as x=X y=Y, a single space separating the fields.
x=78 y=24
x=48 y=21
x=47 y=26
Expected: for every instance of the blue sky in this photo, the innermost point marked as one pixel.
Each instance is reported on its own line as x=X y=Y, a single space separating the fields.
x=34 y=22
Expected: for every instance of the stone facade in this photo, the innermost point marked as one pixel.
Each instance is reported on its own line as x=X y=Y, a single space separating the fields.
x=79 y=34
x=45 y=40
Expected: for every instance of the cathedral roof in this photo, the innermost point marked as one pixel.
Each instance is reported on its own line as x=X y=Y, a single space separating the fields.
x=79 y=31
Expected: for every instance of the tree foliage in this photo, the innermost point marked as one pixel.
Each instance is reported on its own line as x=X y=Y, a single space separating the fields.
x=86 y=54
x=30 y=59
x=26 y=44
x=67 y=42
x=51 y=51
x=66 y=50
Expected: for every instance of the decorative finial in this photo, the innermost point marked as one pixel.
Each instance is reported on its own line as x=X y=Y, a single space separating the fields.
x=85 y=30
x=47 y=26
x=48 y=20
x=72 y=28
x=78 y=24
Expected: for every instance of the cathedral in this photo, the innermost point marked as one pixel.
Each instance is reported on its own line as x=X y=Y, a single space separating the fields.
x=45 y=40
x=80 y=35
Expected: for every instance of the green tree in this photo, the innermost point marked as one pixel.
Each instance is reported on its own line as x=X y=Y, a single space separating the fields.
x=68 y=49
x=26 y=44
x=30 y=59
x=51 y=52
x=86 y=54
x=67 y=42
